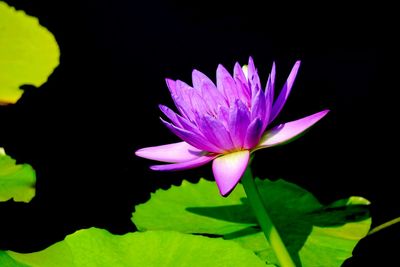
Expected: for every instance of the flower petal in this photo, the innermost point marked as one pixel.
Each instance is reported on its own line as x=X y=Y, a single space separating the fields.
x=208 y=91
x=184 y=165
x=223 y=115
x=269 y=99
x=192 y=138
x=171 y=115
x=200 y=80
x=253 y=78
x=242 y=84
x=171 y=85
x=284 y=94
x=181 y=94
x=269 y=89
x=175 y=96
x=253 y=134
x=176 y=152
x=199 y=106
x=216 y=133
x=228 y=169
x=226 y=85
x=239 y=120
x=288 y=131
x=259 y=108
x=238 y=74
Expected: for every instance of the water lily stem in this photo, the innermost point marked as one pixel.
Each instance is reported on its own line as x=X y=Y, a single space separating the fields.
x=270 y=232
x=384 y=226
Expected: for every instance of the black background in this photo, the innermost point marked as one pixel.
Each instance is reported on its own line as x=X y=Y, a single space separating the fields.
x=80 y=129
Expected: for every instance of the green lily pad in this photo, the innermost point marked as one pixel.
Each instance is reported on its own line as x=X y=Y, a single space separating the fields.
x=170 y=210
x=97 y=247
x=316 y=235
x=16 y=181
x=28 y=53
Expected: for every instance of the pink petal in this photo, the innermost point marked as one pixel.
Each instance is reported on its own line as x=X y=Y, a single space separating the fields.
x=184 y=165
x=216 y=133
x=269 y=93
x=284 y=94
x=287 y=131
x=171 y=85
x=238 y=73
x=241 y=84
x=181 y=94
x=271 y=82
x=259 y=107
x=253 y=134
x=253 y=77
x=226 y=85
x=238 y=122
x=208 y=91
x=174 y=118
x=194 y=138
x=200 y=80
x=228 y=169
x=176 y=152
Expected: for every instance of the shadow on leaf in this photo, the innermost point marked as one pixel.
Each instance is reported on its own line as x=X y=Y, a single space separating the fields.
x=294 y=225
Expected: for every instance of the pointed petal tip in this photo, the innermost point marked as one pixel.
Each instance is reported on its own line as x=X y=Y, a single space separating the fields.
x=287 y=132
x=139 y=152
x=142 y=153
x=251 y=64
x=169 y=81
x=196 y=72
x=314 y=118
x=155 y=168
x=225 y=193
x=171 y=84
x=321 y=114
x=171 y=153
x=296 y=65
x=221 y=68
x=228 y=169
x=179 y=166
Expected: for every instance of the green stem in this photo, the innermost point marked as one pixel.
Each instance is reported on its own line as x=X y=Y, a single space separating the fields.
x=270 y=232
x=384 y=225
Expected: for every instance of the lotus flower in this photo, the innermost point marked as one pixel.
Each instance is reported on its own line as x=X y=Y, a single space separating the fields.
x=225 y=123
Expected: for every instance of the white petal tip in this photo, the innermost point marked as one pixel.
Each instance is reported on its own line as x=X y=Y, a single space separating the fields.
x=139 y=153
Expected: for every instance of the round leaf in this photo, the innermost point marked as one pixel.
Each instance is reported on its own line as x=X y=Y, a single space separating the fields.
x=28 y=53
x=175 y=209
x=97 y=247
x=316 y=235
x=16 y=181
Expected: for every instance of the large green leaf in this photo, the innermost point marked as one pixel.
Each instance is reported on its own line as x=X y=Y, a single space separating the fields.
x=316 y=235
x=16 y=181
x=171 y=210
x=28 y=53
x=97 y=247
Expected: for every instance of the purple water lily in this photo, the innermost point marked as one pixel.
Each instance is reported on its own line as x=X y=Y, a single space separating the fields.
x=225 y=123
